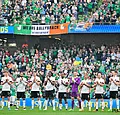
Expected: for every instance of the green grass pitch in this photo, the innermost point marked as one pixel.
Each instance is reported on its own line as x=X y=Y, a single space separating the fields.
x=36 y=111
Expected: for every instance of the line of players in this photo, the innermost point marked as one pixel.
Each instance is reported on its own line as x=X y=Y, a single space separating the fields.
x=62 y=84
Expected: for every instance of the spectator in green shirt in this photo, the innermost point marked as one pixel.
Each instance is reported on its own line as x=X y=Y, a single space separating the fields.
x=34 y=19
x=67 y=18
x=28 y=20
x=47 y=19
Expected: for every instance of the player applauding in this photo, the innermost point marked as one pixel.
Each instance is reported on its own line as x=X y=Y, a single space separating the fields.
x=62 y=90
x=6 y=81
x=114 y=83
x=85 y=91
x=35 y=91
x=49 y=86
x=21 y=85
x=74 y=82
x=99 y=90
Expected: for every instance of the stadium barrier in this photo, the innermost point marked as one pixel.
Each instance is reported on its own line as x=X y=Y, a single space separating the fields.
x=28 y=102
x=82 y=28
x=6 y=30
x=41 y=29
x=55 y=29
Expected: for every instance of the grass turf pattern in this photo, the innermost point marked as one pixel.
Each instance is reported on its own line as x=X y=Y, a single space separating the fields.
x=36 y=111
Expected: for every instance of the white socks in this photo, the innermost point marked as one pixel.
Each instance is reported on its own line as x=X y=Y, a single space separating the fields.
x=32 y=104
x=96 y=105
x=39 y=104
x=53 y=102
x=66 y=106
x=60 y=106
x=23 y=103
x=111 y=104
x=82 y=105
x=2 y=102
x=89 y=104
x=103 y=105
x=8 y=104
x=117 y=102
x=17 y=104
x=46 y=103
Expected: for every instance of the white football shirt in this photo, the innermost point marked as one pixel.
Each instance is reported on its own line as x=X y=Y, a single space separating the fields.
x=21 y=84
x=114 y=87
x=6 y=86
x=85 y=89
x=35 y=87
x=62 y=88
x=99 y=89
x=49 y=86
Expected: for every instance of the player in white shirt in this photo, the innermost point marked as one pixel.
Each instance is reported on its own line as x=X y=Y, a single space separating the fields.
x=85 y=91
x=6 y=82
x=99 y=90
x=21 y=85
x=114 y=84
x=62 y=90
x=49 y=85
x=35 y=89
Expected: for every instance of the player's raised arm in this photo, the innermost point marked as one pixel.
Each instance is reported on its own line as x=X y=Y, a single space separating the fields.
x=86 y=84
x=17 y=81
x=72 y=81
x=116 y=82
x=77 y=81
x=6 y=83
x=65 y=83
x=76 y=78
x=38 y=82
x=45 y=82
x=81 y=84
x=110 y=81
x=95 y=83
x=31 y=82
x=51 y=81
x=101 y=83
x=9 y=81
x=119 y=82
x=2 y=81
x=24 y=81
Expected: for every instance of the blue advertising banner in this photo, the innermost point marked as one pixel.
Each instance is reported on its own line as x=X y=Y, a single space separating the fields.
x=89 y=28
x=6 y=30
x=28 y=103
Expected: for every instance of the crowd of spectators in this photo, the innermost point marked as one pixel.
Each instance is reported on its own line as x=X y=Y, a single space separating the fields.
x=63 y=57
x=60 y=11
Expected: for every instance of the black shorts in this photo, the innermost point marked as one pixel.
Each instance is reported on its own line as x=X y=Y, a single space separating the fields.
x=62 y=95
x=20 y=95
x=49 y=94
x=85 y=96
x=6 y=93
x=98 y=96
x=35 y=94
x=114 y=94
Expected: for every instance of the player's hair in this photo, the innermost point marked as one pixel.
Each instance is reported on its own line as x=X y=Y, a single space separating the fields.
x=99 y=72
x=50 y=72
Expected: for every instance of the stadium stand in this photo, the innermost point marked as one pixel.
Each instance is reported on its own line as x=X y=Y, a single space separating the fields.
x=62 y=57
x=59 y=11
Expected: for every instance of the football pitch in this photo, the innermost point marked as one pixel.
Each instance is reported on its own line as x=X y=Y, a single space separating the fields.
x=51 y=112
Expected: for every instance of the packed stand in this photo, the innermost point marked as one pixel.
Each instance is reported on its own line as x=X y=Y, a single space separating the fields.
x=60 y=11
x=62 y=58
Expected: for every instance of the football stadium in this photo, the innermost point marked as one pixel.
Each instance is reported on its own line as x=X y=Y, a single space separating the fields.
x=60 y=57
